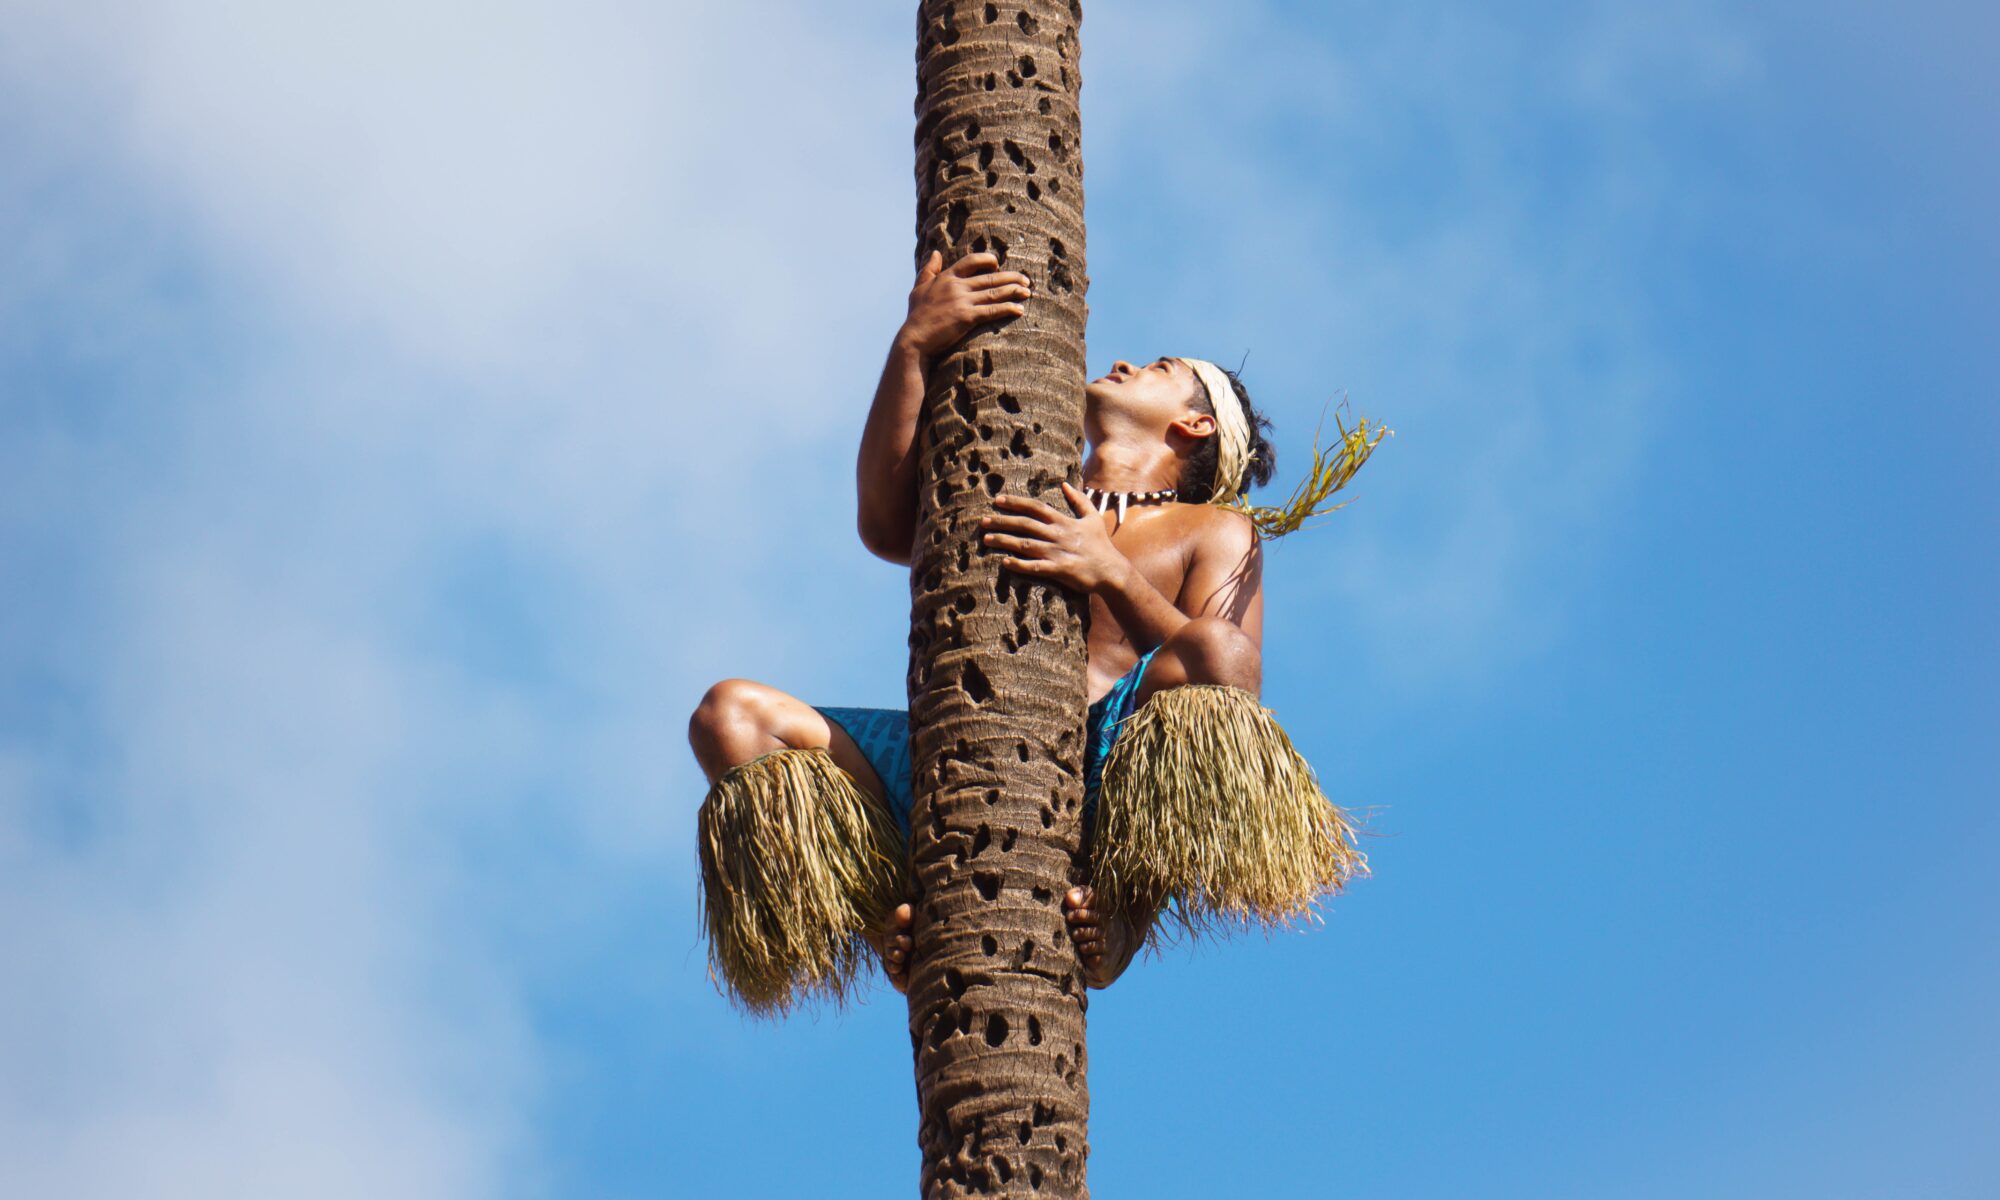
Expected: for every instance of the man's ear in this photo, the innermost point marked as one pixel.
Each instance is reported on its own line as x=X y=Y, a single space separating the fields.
x=1194 y=425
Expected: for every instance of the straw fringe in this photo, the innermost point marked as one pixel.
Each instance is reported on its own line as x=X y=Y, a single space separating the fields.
x=1207 y=808
x=1332 y=467
x=797 y=861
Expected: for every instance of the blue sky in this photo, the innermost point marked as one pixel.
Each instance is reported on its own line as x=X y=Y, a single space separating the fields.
x=406 y=411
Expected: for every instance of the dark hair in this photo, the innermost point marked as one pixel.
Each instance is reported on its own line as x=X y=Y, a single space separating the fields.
x=1197 y=485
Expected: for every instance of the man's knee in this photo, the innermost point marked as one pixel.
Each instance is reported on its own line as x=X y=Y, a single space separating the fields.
x=727 y=707
x=1214 y=650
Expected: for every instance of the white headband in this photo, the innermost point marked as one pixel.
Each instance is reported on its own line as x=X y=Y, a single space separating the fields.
x=1232 y=425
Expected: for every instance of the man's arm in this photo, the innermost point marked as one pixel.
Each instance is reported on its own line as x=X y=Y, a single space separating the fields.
x=944 y=307
x=1147 y=617
x=886 y=469
x=1225 y=578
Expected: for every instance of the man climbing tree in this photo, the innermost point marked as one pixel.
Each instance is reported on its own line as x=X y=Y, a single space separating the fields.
x=1083 y=748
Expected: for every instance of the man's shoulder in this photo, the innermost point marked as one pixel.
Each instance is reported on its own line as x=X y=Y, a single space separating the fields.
x=1210 y=526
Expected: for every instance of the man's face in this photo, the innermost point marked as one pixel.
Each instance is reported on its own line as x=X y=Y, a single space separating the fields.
x=1154 y=395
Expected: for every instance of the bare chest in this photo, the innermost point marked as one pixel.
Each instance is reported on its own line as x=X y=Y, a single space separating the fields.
x=1156 y=544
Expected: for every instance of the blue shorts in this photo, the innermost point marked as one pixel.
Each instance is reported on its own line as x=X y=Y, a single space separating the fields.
x=884 y=737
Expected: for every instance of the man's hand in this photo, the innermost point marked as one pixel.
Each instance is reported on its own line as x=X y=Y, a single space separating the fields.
x=1074 y=550
x=947 y=305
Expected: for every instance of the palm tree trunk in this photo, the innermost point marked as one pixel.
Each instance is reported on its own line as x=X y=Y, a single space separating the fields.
x=997 y=685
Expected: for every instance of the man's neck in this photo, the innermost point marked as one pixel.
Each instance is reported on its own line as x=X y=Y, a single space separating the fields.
x=1122 y=466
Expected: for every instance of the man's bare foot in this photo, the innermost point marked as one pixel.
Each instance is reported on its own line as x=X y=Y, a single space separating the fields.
x=894 y=944
x=1104 y=941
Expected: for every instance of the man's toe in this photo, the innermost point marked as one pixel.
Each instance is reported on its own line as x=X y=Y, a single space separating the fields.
x=896 y=947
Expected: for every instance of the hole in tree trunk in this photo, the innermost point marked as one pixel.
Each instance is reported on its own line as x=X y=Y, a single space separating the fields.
x=977 y=688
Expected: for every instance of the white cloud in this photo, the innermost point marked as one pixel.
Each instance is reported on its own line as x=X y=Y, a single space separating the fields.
x=240 y=981
x=391 y=288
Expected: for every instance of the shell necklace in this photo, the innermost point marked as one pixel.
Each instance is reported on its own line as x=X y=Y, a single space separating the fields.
x=1102 y=500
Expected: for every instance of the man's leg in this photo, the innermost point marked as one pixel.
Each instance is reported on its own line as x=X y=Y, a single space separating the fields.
x=1206 y=800
x=1205 y=650
x=738 y=720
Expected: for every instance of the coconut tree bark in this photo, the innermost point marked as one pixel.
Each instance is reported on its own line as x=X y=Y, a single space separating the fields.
x=997 y=661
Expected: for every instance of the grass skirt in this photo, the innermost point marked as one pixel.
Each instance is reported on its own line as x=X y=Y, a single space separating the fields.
x=1206 y=807
x=797 y=862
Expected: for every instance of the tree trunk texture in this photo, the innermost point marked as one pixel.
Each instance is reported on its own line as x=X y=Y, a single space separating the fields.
x=997 y=661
